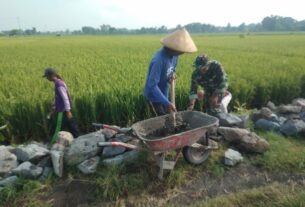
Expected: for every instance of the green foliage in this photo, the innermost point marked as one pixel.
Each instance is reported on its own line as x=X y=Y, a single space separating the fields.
x=26 y=191
x=106 y=76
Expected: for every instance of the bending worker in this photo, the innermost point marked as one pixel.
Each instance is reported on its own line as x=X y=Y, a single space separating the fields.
x=162 y=70
x=211 y=76
x=62 y=105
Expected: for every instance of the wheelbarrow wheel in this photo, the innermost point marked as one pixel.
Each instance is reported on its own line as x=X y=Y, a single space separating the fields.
x=195 y=156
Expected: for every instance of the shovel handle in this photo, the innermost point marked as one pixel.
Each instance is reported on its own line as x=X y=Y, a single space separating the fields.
x=173 y=114
x=173 y=92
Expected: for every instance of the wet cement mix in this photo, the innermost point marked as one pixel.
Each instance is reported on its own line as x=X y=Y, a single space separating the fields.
x=170 y=128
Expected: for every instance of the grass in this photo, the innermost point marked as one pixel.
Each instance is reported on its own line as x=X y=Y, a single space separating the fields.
x=136 y=182
x=273 y=195
x=285 y=154
x=106 y=76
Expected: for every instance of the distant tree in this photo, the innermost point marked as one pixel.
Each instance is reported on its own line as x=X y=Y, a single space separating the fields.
x=88 y=30
x=242 y=27
x=14 y=32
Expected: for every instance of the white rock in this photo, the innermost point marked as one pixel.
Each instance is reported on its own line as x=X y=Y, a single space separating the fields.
x=65 y=138
x=232 y=157
x=58 y=162
x=89 y=166
x=28 y=170
x=58 y=147
x=31 y=152
x=8 y=161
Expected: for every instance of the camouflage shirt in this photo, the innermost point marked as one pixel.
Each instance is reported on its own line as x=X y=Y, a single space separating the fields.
x=214 y=80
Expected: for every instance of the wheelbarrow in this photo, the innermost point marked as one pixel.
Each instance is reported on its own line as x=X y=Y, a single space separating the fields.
x=194 y=143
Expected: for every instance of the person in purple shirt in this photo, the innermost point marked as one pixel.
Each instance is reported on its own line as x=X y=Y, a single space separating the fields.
x=62 y=104
x=162 y=70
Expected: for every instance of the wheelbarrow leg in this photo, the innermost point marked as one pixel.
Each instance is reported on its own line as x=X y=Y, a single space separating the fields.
x=161 y=158
x=164 y=164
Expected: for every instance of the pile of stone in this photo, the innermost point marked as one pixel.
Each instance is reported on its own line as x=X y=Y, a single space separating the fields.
x=39 y=161
x=288 y=120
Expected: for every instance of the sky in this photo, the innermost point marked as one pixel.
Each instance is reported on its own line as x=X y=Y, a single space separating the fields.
x=54 y=15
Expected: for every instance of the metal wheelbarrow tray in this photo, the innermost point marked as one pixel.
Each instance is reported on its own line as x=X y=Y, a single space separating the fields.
x=198 y=122
x=193 y=142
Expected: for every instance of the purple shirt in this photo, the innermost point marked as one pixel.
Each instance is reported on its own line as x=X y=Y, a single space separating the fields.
x=62 y=98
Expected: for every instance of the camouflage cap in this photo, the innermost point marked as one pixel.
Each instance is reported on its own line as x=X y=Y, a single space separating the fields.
x=201 y=61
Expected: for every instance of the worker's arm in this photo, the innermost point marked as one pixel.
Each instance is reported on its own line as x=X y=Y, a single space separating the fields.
x=64 y=95
x=153 y=81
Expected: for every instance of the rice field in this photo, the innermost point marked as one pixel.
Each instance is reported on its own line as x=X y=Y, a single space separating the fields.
x=106 y=74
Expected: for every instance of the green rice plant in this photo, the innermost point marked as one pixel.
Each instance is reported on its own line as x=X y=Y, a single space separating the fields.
x=106 y=76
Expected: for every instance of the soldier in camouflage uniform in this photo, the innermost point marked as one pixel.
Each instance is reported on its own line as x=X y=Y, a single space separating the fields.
x=211 y=76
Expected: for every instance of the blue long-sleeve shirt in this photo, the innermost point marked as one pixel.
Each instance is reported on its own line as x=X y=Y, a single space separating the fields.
x=161 y=67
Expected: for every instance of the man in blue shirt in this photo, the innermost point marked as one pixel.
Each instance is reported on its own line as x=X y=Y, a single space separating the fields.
x=162 y=69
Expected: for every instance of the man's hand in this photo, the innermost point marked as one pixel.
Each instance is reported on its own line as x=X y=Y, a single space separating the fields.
x=190 y=108
x=214 y=99
x=172 y=107
x=69 y=114
x=191 y=105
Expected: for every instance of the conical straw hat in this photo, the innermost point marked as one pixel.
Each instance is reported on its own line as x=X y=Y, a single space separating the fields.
x=180 y=40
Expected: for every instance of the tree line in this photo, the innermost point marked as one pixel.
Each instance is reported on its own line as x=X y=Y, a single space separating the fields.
x=268 y=24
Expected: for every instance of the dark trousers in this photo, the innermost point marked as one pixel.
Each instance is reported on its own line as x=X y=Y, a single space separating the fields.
x=69 y=125
x=159 y=109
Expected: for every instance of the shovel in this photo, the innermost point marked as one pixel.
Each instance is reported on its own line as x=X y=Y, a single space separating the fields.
x=173 y=113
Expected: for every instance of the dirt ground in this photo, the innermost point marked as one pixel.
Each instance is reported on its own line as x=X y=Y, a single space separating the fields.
x=203 y=185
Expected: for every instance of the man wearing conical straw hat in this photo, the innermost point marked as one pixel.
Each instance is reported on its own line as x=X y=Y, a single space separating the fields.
x=162 y=69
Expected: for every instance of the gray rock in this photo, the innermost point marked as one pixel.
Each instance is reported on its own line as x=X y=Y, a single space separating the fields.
x=293 y=128
x=89 y=166
x=285 y=109
x=299 y=102
x=84 y=147
x=8 y=181
x=229 y=120
x=125 y=130
x=263 y=124
x=109 y=133
x=245 y=140
x=8 y=160
x=302 y=115
x=58 y=162
x=271 y=106
x=47 y=171
x=253 y=143
x=127 y=157
x=112 y=151
x=123 y=138
x=31 y=152
x=114 y=160
x=28 y=170
x=264 y=113
x=282 y=120
x=45 y=162
x=232 y=157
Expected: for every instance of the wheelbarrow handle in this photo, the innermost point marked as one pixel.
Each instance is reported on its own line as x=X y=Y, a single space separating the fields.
x=105 y=126
x=118 y=144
